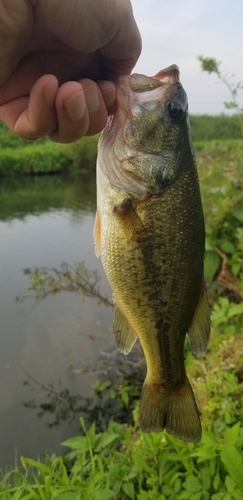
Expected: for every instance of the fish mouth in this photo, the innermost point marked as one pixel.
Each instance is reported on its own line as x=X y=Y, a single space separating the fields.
x=166 y=77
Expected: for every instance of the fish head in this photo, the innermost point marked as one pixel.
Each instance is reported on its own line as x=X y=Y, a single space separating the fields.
x=144 y=137
x=158 y=108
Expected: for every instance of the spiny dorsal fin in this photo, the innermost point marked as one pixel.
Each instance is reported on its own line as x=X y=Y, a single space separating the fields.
x=124 y=335
x=199 y=330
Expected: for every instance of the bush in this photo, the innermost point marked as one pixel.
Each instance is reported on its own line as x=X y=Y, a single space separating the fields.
x=46 y=158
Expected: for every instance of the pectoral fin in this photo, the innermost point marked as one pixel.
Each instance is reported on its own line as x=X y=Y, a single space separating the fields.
x=124 y=335
x=97 y=234
x=128 y=217
x=199 y=330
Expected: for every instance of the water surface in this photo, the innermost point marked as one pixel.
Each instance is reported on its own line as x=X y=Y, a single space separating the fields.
x=45 y=221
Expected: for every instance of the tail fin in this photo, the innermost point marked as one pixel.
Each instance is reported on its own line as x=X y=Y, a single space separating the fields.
x=172 y=409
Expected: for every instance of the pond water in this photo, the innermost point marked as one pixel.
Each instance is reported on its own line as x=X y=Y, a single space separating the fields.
x=46 y=221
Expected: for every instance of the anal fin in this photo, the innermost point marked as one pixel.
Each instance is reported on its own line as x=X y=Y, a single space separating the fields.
x=199 y=330
x=124 y=335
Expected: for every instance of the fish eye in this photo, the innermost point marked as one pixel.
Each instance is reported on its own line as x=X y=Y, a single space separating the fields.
x=176 y=111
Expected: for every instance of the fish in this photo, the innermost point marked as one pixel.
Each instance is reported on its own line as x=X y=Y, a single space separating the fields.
x=149 y=232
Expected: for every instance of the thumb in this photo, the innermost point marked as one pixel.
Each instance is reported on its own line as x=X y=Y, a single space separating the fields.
x=15 y=29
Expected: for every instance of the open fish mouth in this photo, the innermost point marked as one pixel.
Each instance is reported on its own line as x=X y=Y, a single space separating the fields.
x=142 y=83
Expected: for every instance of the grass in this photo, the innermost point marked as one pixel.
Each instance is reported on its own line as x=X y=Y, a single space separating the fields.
x=21 y=157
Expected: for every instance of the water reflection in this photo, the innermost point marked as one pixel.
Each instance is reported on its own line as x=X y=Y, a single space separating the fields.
x=44 y=281
x=35 y=195
x=117 y=387
x=45 y=221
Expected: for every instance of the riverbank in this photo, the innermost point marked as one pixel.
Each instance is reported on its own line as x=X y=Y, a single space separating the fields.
x=45 y=157
x=21 y=157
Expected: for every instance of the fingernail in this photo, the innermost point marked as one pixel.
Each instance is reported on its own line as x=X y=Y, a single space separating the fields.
x=75 y=106
x=49 y=92
x=92 y=100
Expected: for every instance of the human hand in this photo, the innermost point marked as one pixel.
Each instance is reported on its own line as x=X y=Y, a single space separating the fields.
x=58 y=63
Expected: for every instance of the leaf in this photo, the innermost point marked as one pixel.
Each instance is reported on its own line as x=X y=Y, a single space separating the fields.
x=105 y=439
x=230 y=484
x=233 y=463
x=211 y=263
x=177 y=485
x=76 y=443
x=232 y=434
x=209 y=64
x=106 y=494
x=226 y=246
x=205 y=477
x=44 y=469
x=204 y=453
x=185 y=494
x=128 y=488
x=238 y=214
x=237 y=494
x=192 y=484
x=66 y=496
x=167 y=490
x=143 y=464
x=230 y=105
x=216 y=481
x=235 y=310
x=205 y=495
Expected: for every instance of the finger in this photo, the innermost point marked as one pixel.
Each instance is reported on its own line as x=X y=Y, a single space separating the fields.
x=34 y=116
x=72 y=113
x=108 y=92
x=96 y=107
x=80 y=110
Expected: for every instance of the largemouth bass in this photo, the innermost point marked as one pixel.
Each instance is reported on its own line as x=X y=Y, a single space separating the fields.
x=149 y=232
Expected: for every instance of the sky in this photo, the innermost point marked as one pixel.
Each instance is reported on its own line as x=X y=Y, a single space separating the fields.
x=178 y=31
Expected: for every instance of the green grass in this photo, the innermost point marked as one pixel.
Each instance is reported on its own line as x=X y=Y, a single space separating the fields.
x=221 y=127
x=21 y=157
x=34 y=159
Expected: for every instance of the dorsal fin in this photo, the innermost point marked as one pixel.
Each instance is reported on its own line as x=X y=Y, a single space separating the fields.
x=199 y=330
